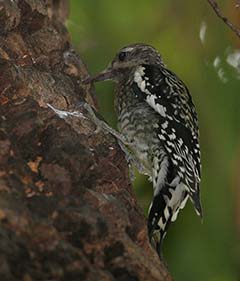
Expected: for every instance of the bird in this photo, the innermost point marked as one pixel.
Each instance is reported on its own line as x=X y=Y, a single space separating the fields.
x=158 y=120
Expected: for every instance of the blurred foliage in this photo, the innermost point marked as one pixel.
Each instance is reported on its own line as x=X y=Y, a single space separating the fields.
x=204 y=53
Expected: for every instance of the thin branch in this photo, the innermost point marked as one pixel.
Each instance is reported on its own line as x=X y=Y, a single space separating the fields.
x=217 y=10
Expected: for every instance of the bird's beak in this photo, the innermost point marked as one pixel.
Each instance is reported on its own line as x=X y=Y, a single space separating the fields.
x=107 y=74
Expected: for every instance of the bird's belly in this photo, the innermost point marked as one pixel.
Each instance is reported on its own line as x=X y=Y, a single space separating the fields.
x=139 y=147
x=139 y=132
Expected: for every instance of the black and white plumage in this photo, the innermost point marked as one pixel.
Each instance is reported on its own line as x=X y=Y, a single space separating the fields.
x=158 y=119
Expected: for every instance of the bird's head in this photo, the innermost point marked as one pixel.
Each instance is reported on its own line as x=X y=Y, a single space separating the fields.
x=126 y=61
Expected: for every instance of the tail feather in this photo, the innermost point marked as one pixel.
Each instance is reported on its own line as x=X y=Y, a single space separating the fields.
x=158 y=221
x=157 y=228
x=195 y=198
x=162 y=211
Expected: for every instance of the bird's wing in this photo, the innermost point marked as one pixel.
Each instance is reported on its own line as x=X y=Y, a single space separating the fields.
x=178 y=128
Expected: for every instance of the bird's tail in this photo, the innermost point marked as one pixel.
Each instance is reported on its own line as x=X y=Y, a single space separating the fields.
x=195 y=198
x=164 y=209
x=157 y=222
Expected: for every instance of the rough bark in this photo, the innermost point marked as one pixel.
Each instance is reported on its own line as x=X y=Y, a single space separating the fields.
x=67 y=209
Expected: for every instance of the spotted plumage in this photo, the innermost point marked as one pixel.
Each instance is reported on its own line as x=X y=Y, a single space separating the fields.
x=158 y=119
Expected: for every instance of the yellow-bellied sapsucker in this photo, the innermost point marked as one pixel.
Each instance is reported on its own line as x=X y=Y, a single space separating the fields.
x=159 y=122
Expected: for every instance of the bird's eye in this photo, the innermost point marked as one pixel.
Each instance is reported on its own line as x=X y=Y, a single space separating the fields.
x=122 y=56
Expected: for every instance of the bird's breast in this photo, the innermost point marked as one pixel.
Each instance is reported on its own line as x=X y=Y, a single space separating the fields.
x=136 y=123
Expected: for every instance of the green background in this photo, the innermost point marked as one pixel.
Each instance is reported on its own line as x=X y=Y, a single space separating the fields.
x=196 y=251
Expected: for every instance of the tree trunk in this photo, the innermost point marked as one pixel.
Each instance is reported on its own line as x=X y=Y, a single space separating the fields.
x=67 y=209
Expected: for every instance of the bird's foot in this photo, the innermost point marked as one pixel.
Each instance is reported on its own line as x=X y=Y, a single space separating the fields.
x=122 y=141
x=101 y=124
